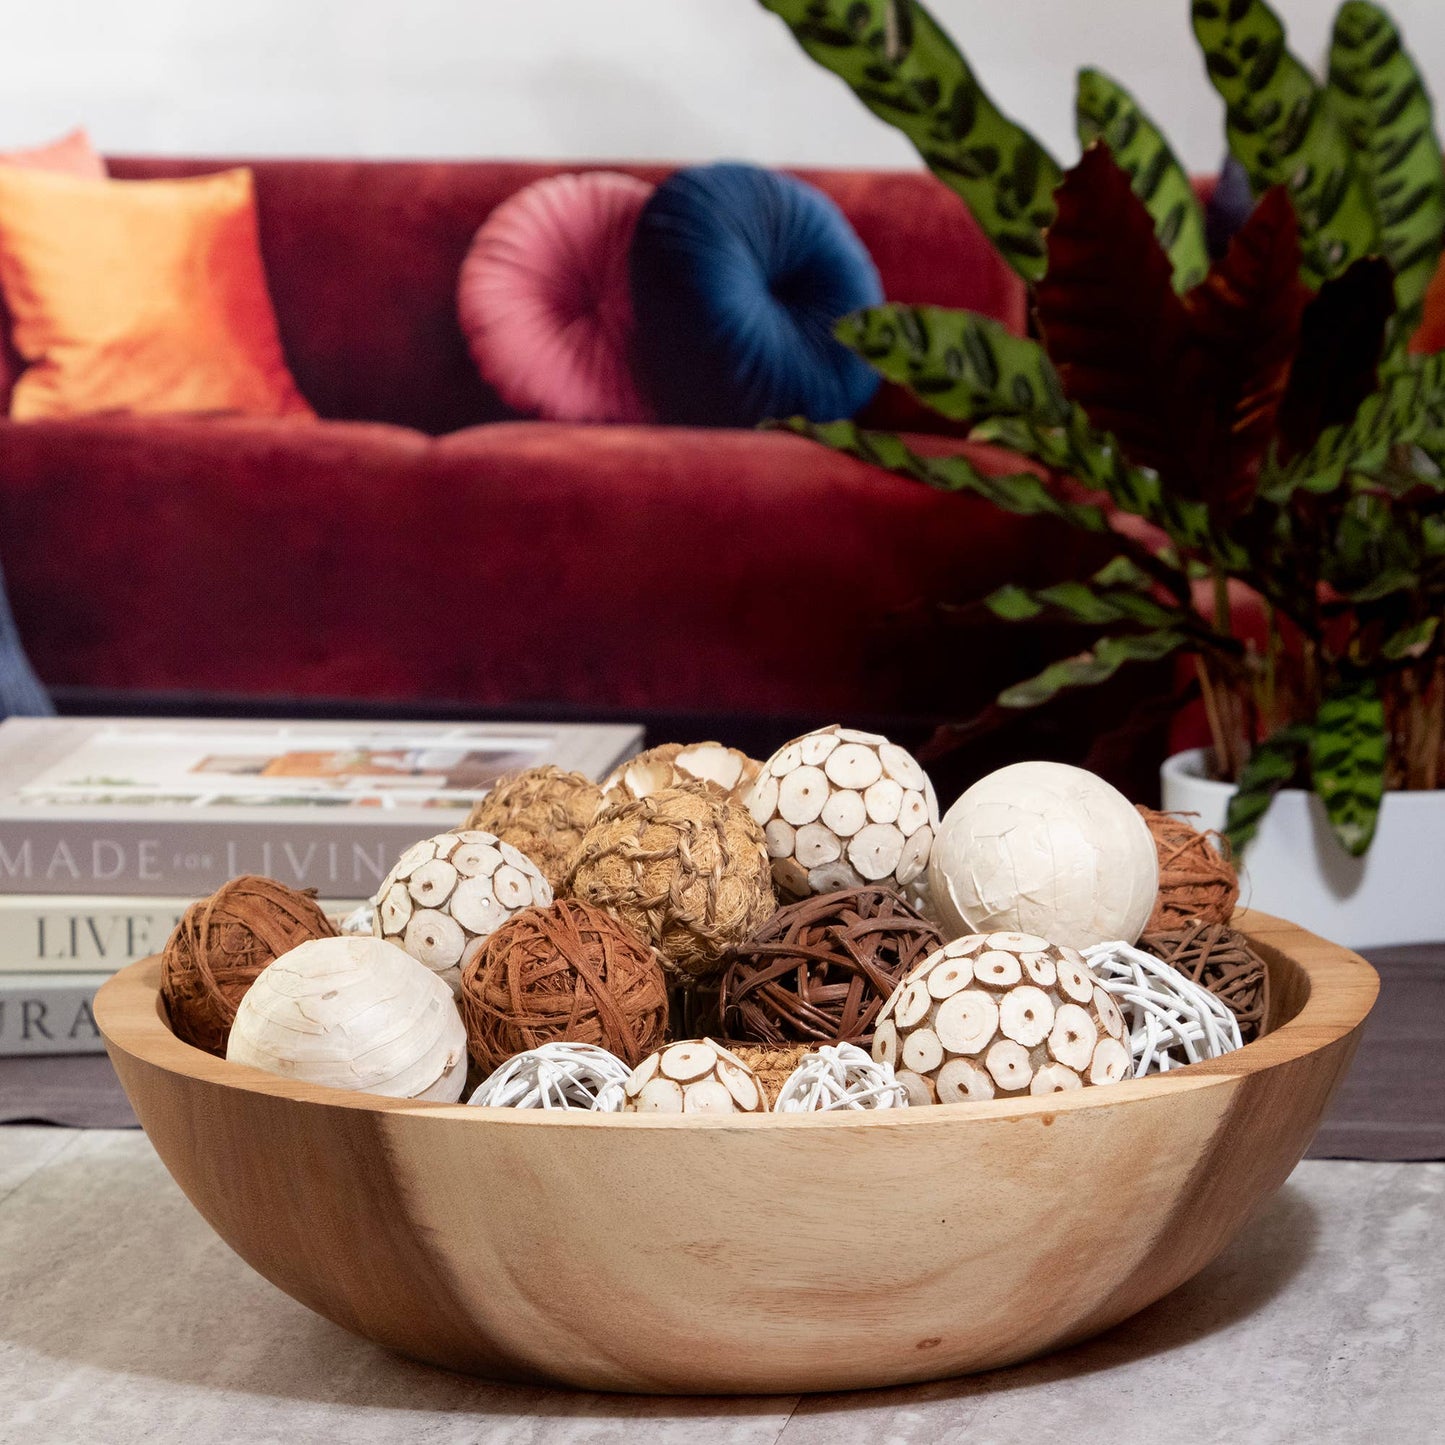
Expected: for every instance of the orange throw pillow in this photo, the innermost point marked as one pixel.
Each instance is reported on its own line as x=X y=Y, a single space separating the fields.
x=140 y=297
x=71 y=155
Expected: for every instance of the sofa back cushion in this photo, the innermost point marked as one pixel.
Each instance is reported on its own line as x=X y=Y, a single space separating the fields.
x=362 y=259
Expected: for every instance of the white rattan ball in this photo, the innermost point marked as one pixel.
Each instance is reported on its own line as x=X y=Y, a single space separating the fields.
x=841 y=809
x=1044 y=848
x=1172 y=1020
x=360 y=922
x=448 y=894
x=840 y=1076
x=559 y=1075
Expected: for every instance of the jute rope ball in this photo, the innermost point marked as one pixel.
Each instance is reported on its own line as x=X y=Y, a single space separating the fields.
x=543 y=813
x=820 y=970
x=1197 y=882
x=1172 y=1020
x=772 y=1066
x=694 y=1076
x=1221 y=960
x=222 y=943
x=841 y=809
x=684 y=867
x=837 y=1077
x=566 y=973
x=448 y=893
x=557 y=1076
x=1000 y=1015
x=671 y=764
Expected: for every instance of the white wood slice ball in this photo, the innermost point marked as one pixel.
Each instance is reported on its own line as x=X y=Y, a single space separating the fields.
x=841 y=808
x=354 y=1013
x=1044 y=848
x=666 y=766
x=448 y=894
x=998 y=1015
x=696 y=1076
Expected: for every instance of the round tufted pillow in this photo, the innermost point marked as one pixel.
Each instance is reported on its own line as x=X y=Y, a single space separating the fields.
x=544 y=303
x=738 y=275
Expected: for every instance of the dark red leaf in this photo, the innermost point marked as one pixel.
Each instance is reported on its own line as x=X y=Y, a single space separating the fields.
x=1430 y=333
x=1342 y=334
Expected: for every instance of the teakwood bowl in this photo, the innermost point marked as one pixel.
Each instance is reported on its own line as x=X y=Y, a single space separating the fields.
x=751 y=1254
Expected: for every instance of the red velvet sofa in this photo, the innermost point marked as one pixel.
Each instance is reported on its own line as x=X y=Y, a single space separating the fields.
x=419 y=548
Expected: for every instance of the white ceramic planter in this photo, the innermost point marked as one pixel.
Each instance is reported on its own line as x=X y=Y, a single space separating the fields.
x=1296 y=869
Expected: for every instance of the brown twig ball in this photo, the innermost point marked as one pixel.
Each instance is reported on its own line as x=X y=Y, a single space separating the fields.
x=686 y=867
x=222 y=943
x=566 y=972
x=820 y=970
x=1197 y=881
x=1219 y=959
x=542 y=812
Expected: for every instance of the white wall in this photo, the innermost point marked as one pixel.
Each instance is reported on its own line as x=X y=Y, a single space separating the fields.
x=683 y=79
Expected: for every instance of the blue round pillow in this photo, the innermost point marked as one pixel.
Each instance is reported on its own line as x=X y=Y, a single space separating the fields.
x=738 y=275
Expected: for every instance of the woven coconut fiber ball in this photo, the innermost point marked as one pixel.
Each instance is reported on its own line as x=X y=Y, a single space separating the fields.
x=820 y=970
x=685 y=867
x=543 y=813
x=1197 y=881
x=222 y=943
x=570 y=973
x=1221 y=960
x=669 y=765
x=772 y=1067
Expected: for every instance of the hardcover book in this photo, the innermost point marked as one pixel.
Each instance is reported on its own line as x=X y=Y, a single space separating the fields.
x=49 y=1013
x=157 y=807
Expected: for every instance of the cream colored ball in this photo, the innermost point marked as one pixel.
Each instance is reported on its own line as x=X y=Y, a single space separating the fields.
x=1048 y=849
x=354 y=1013
x=694 y=1076
x=448 y=894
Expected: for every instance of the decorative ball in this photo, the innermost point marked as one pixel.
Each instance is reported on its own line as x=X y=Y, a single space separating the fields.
x=1172 y=1020
x=361 y=920
x=220 y=946
x=1000 y=1014
x=543 y=813
x=1197 y=882
x=1044 y=848
x=448 y=893
x=840 y=1076
x=696 y=1076
x=558 y=1075
x=841 y=809
x=684 y=867
x=773 y=1066
x=669 y=765
x=566 y=972
x=354 y=1013
x=821 y=970
x=1221 y=960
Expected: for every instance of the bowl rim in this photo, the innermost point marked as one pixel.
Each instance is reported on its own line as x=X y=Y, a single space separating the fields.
x=1342 y=990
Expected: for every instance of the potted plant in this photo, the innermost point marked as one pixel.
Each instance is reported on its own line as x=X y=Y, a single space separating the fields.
x=1262 y=438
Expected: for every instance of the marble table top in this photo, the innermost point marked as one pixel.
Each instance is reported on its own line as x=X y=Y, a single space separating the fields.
x=124 y=1319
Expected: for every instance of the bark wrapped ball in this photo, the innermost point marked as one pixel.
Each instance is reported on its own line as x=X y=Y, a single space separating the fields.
x=999 y=1015
x=669 y=765
x=841 y=809
x=1197 y=881
x=695 y=1076
x=448 y=894
x=565 y=973
x=685 y=868
x=543 y=813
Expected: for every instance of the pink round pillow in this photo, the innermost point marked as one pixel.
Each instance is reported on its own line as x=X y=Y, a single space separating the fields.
x=545 y=303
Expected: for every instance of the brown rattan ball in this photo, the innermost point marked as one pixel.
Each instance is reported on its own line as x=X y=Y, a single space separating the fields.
x=1221 y=960
x=566 y=972
x=820 y=970
x=773 y=1066
x=1197 y=881
x=222 y=943
x=686 y=867
x=542 y=812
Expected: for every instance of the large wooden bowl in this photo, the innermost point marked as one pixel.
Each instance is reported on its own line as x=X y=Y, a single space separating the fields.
x=751 y=1254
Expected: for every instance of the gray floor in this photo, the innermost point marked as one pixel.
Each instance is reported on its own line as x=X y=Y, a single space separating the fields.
x=123 y=1319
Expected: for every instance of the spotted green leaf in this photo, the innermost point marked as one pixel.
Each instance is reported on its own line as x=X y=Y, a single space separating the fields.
x=907 y=71
x=1347 y=761
x=1411 y=641
x=1118 y=592
x=1376 y=90
x=1283 y=132
x=1099 y=664
x=1103 y=109
x=1273 y=764
x=959 y=363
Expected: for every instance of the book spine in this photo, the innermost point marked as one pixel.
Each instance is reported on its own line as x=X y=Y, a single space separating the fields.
x=149 y=860
x=49 y=1015
x=51 y=937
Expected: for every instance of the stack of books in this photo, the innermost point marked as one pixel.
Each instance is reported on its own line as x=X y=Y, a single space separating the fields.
x=110 y=828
